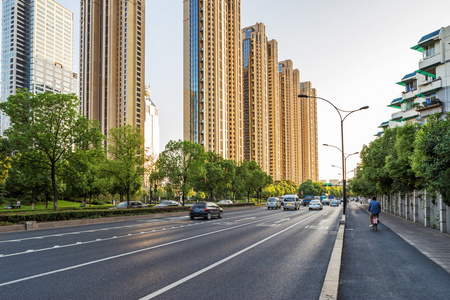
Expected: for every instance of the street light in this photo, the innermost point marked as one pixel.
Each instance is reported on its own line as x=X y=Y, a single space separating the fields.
x=340 y=111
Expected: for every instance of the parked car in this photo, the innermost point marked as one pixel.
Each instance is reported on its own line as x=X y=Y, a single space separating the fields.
x=133 y=204
x=273 y=203
x=291 y=202
x=205 y=210
x=226 y=202
x=166 y=203
x=315 y=204
x=334 y=202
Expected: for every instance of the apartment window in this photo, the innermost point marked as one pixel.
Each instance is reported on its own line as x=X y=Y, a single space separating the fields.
x=410 y=86
x=429 y=51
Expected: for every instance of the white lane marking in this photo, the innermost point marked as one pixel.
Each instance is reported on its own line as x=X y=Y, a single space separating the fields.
x=175 y=284
x=282 y=220
x=322 y=222
x=125 y=254
x=268 y=225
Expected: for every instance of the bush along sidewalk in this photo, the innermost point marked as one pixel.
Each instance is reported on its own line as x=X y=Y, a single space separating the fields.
x=41 y=217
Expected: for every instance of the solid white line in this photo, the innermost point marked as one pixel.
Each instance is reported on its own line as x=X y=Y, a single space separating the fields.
x=127 y=254
x=175 y=284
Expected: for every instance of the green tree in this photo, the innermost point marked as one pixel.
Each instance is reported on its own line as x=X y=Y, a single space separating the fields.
x=125 y=164
x=180 y=164
x=308 y=188
x=45 y=127
x=431 y=157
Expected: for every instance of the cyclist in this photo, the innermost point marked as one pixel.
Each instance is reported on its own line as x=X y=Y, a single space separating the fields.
x=374 y=209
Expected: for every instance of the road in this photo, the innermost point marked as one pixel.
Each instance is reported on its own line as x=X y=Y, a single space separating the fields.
x=249 y=254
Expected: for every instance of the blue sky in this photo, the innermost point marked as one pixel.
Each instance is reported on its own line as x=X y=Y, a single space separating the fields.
x=353 y=52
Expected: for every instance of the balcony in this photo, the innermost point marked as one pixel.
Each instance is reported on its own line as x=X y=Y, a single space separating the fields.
x=409 y=95
x=429 y=86
x=435 y=106
x=430 y=61
x=409 y=114
x=396 y=117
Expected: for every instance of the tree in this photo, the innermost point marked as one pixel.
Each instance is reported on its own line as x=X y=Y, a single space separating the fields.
x=308 y=188
x=44 y=127
x=180 y=164
x=398 y=163
x=125 y=164
x=431 y=158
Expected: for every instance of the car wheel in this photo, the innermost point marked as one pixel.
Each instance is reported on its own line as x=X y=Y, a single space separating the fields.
x=220 y=215
x=208 y=216
x=192 y=218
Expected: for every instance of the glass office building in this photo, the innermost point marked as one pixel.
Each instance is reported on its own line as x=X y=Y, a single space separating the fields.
x=37 y=49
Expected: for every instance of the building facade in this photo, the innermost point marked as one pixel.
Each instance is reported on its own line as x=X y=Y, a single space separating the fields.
x=213 y=114
x=310 y=152
x=426 y=90
x=255 y=95
x=112 y=62
x=151 y=126
x=273 y=98
x=37 y=55
x=286 y=95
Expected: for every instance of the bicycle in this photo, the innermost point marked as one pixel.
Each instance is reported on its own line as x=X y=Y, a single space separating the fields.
x=375 y=223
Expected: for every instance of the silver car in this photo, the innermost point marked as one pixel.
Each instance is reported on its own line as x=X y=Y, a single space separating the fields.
x=273 y=203
x=291 y=202
x=315 y=204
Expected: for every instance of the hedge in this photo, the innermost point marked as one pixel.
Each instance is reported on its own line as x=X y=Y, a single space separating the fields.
x=91 y=214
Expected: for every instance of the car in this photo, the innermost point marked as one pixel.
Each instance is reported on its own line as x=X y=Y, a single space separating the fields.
x=166 y=203
x=205 y=210
x=315 y=204
x=291 y=202
x=133 y=204
x=307 y=199
x=226 y=202
x=273 y=203
x=9 y=206
x=325 y=201
x=339 y=200
x=334 y=202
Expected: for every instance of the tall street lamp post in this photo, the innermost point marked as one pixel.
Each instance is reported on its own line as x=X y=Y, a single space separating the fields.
x=339 y=111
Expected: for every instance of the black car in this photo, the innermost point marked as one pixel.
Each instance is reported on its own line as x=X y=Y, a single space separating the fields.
x=205 y=210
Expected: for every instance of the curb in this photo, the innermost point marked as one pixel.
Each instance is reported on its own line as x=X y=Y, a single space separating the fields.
x=330 y=286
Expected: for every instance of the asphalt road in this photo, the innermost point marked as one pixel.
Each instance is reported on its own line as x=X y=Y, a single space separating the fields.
x=249 y=254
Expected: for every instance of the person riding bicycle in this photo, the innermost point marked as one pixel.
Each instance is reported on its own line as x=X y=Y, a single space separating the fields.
x=374 y=209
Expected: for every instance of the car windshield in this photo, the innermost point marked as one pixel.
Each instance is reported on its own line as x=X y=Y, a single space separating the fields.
x=289 y=199
x=272 y=200
x=315 y=202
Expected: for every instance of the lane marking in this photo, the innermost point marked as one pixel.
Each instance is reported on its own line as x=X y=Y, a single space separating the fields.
x=128 y=253
x=181 y=281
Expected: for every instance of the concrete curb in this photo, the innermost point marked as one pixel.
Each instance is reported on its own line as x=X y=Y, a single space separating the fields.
x=330 y=286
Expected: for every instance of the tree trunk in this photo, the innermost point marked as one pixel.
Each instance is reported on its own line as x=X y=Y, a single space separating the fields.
x=55 y=189
x=90 y=199
x=33 y=194
x=128 y=198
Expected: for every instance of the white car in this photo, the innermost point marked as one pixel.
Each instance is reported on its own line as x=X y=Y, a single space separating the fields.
x=273 y=203
x=315 y=204
x=226 y=202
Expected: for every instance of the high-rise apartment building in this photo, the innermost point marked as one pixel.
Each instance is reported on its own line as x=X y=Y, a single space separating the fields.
x=297 y=129
x=213 y=76
x=286 y=94
x=309 y=147
x=151 y=126
x=273 y=98
x=112 y=62
x=255 y=95
x=37 y=49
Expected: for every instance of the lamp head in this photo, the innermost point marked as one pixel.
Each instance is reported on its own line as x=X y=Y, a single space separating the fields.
x=364 y=107
x=303 y=96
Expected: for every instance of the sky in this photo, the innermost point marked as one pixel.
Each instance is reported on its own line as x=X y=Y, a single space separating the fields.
x=353 y=52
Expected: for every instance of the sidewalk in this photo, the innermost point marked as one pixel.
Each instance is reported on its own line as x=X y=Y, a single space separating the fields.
x=402 y=260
